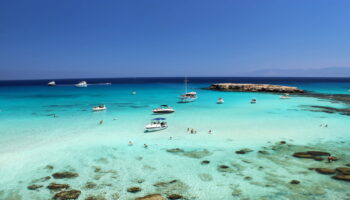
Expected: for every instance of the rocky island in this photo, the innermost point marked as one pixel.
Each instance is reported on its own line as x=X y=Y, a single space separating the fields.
x=247 y=87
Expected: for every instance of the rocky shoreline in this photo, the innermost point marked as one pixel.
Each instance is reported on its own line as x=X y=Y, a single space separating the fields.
x=247 y=87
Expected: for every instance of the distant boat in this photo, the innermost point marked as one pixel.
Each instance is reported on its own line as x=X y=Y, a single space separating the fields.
x=52 y=83
x=133 y=92
x=99 y=108
x=285 y=96
x=163 y=109
x=253 y=101
x=81 y=84
x=220 y=101
x=156 y=124
x=188 y=96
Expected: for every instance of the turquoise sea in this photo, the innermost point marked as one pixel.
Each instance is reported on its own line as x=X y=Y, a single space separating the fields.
x=43 y=126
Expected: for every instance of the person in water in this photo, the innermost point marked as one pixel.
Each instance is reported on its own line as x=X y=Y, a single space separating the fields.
x=130 y=143
x=332 y=158
x=145 y=145
x=209 y=132
x=101 y=122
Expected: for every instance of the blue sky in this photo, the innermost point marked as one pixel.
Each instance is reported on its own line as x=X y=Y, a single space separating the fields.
x=129 y=38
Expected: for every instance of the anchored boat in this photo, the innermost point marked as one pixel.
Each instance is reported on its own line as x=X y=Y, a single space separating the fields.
x=253 y=101
x=220 y=101
x=99 y=108
x=81 y=84
x=163 y=109
x=52 y=83
x=156 y=124
x=188 y=96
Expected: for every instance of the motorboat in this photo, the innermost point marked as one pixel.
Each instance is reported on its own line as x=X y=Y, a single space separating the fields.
x=163 y=109
x=99 y=108
x=52 y=83
x=285 y=96
x=220 y=101
x=188 y=96
x=133 y=92
x=81 y=84
x=156 y=124
x=253 y=101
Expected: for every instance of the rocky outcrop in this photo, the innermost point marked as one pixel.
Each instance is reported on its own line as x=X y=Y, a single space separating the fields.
x=343 y=170
x=60 y=175
x=244 y=151
x=34 y=187
x=174 y=196
x=325 y=171
x=69 y=194
x=294 y=182
x=57 y=186
x=151 y=197
x=245 y=87
x=316 y=155
x=134 y=189
x=342 y=177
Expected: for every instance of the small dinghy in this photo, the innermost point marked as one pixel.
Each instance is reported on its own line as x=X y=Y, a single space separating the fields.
x=163 y=109
x=253 y=101
x=285 y=96
x=99 y=108
x=156 y=124
x=220 y=101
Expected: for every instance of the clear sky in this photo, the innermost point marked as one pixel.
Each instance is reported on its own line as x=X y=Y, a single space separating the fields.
x=131 y=38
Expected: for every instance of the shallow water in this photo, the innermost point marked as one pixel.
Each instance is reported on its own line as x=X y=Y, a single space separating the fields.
x=43 y=126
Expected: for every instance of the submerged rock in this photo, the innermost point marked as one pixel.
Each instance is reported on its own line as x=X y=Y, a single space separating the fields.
x=175 y=150
x=294 y=182
x=205 y=162
x=34 y=187
x=318 y=153
x=342 y=177
x=99 y=197
x=302 y=155
x=244 y=151
x=325 y=171
x=343 y=170
x=49 y=167
x=205 y=177
x=192 y=154
x=61 y=175
x=115 y=196
x=57 y=186
x=134 y=189
x=90 y=185
x=174 y=196
x=151 y=197
x=66 y=195
x=43 y=179
x=263 y=152
x=224 y=168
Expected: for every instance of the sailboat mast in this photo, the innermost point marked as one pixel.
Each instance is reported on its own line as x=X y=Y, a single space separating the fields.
x=186 y=85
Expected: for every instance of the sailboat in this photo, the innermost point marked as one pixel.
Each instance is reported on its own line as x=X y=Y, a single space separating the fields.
x=188 y=96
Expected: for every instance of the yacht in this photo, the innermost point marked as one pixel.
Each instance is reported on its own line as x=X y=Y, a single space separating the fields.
x=188 y=96
x=52 y=83
x=220 y=101
x=81 y=84
x=133 y=92
x=163 y=109
x=156 y=124
x=99 y=108
x=253 y=101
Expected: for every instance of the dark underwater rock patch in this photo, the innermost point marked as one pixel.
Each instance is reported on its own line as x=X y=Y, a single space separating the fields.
x=343 y=170
x=294 y=182
x=198 y=153
x=244 y=151
x=151 y=197
x=134 y=189
x=57 y=186
x=325 y=171
x=328 y=109
x=66 y=195
x=61 y=175
x=174 y=196
x=43 y=179
x=342 y=177
x=34 y=187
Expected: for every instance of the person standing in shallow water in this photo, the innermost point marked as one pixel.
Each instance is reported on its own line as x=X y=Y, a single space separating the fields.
x=145 y=145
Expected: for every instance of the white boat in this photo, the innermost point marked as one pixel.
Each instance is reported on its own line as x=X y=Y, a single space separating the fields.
x=253 y=101
x=188 y=96
x=133 y=92
x=220 y=101
x=99 y=108
x=81 y=84
x=156 y=124
x=163 y=109
x=285 y=96
x=52 y=83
